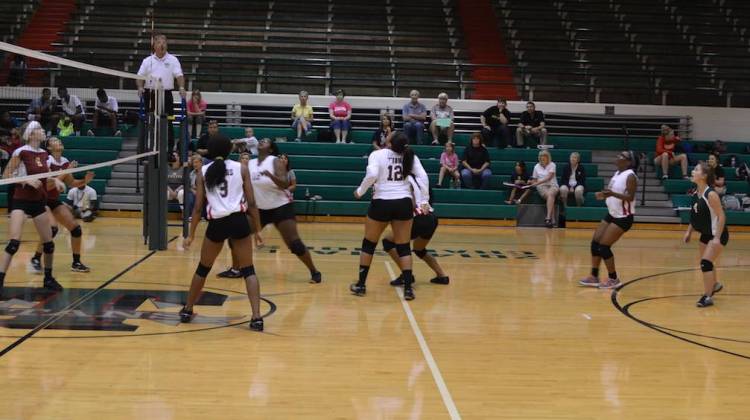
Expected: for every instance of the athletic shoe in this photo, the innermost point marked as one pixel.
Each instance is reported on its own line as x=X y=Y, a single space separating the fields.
x=357 y=289
x=717 y=288
x=298 y=140
x=408 y=293
x=52 y=284
x=664 y=177
x=230 y=273
x=118 y=133
x=36 y=265
x=704 y=301
x=90 y=133
x=398 y=281
x=316 y=277
x=548 y=223
x=78 y=267
x=589 y=281
x=610 y=284
x=440 y=280
x=256 y=324
x=185 y=315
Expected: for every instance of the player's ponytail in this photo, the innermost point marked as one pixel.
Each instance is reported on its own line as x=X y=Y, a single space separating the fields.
x=218 y=149
x=400 y=145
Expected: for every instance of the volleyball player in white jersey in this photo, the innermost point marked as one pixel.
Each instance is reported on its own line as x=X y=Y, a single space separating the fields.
x=707 y=217
x=388 y=171
x=620 y=197
x=225 y=188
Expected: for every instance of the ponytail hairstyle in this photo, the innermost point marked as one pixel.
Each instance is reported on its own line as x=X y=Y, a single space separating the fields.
x=400 y=145
x=219 y=148
x=273 y=149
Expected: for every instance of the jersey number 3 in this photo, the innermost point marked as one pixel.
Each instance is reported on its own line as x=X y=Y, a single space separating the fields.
x=395 y=173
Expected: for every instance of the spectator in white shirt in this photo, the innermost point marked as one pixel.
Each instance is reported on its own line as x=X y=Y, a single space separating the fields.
x=248 y=144
x=84 y=202
x=545 y=181
x=105 y=109
x=72 y=108
x=442 y=120
x=163 y=67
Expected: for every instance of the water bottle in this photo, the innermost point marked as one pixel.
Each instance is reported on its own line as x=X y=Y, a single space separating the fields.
x=307 y=193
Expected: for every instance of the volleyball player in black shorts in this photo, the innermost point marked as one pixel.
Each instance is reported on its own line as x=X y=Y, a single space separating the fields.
x=422 y=230
x=707 y=217
x=225 y=188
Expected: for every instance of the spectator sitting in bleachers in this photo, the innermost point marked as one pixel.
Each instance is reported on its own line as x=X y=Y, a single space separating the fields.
x=71 y=107
x=105 y=108
x=42 y=110
x=449 y=165
x=84 y=204
x=65 y=127
x=666 y=155
x=496 y=125
x=8 y=124
x=17 y=71
x=573 y=180
x=302 y=116
x=175 y=187
x=196 y=111
x=531 y=127
x=720 y=184
x=196 y=163
x=414 y=115
x=519 y=178
x=545 y=181
x=202 y=146
x=341 y=114
x=291 y=177
x=442 y=120
x=381 y=138
x=476 y=171
x=248 y=144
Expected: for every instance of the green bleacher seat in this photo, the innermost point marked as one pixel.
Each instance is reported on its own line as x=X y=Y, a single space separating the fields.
x=681 y=186
x=733 y=218
x=91 y=156
x=585 y=213
x=359 y=208
x=92 y=143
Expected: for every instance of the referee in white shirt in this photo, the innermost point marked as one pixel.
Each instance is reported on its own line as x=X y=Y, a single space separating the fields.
x=163 y=66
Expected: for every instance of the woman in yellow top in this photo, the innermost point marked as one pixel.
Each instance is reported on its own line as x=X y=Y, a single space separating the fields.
x=302 y=117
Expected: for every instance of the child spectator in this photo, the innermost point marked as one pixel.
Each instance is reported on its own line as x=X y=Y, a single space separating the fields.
x=196 y=113
x=248 y=144
x=449 y=165
x=382 y=136
x=520 y=178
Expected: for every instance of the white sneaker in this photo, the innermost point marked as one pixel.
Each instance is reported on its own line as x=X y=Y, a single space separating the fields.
x=118 y=133
x=90 y=133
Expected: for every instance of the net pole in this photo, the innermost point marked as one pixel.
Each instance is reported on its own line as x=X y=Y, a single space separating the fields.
x=184 y=139
x=157 y=175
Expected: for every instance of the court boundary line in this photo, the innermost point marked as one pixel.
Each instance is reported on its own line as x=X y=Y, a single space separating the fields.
x=450 y=405
x=51 y=320
x=625 y=311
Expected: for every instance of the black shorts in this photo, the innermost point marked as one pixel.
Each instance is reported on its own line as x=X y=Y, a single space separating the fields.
x=53 y=204
x=277 y=215
x=625 y=223
x=707 y=237
x=424 y=226
x=388 y=210
x=234 y=226
x=31 y=208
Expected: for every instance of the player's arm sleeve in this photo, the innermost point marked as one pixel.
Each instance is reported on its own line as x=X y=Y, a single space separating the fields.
x=424 y=181
x=371 y=175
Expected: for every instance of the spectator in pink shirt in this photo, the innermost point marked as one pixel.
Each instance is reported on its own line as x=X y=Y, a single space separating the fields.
x=341 y=114
x=196 y=113
x=449 y=165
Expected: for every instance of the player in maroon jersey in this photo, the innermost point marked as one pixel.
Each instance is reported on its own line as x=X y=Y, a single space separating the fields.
x=29 y=199
x=61 y=213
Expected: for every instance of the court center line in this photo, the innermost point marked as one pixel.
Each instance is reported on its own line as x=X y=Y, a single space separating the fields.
x=51 y=320
x=439 y=381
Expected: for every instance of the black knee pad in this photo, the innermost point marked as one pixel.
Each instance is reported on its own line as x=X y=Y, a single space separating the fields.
x=12 y=246
x=707 y=266
x=403 y=250
x=77 y=232
x=388 y=245
x=247 y=271
x=420 y=253
x=202 y=270
x=55 y=230
x=605 y=252
x=595 y=249
x=368 y=247
x=298 y=248
x=48 y=247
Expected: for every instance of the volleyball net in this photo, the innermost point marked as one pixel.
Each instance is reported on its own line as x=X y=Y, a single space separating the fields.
x=104 y=125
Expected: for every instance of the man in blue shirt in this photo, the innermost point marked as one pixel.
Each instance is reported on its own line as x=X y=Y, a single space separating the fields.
x=414 y=115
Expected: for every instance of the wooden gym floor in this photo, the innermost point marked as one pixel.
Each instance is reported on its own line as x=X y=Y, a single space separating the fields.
x=512 y=336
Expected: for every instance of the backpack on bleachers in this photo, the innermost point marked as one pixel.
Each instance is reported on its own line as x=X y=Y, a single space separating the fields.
x=730 y=202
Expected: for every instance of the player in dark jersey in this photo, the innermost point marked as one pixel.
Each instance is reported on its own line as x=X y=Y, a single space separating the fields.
x=707 y=217
x=60 y=212
x=422 y=229
x=29 y=199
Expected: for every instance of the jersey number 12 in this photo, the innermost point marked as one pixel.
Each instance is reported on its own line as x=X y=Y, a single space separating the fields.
x=395 y=173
